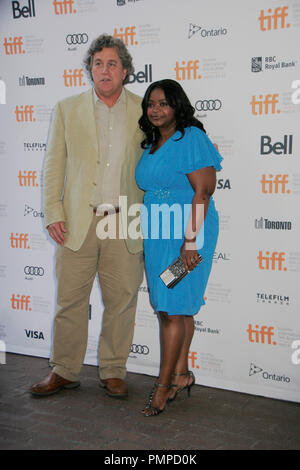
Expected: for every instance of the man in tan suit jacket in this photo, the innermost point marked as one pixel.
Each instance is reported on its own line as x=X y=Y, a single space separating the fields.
x=92 y=152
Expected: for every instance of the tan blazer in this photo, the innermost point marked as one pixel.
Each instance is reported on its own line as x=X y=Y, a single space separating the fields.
x=71 y=161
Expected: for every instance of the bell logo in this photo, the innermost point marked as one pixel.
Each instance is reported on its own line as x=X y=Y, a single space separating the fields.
x=271 y=261
x=275 y=184
x=187 y=70
x=63 y=7
x=278 y=148
x=25 y=113
x=126 y=35
x=261 y=335
x=26 y=11
x=275 y=20
x=20 y=302
x=13 y=45
x=27 y=178
x=19 y=240
x=262 y=105
x=73 y=77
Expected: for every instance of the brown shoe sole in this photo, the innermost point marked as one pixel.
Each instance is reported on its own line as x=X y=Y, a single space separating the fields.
x=58 y=389
x=113 y=395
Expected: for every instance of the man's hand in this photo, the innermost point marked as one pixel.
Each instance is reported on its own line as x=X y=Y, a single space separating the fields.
x=56 y=231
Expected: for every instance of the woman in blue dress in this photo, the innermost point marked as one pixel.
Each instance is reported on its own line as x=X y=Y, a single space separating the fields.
x=177 y=171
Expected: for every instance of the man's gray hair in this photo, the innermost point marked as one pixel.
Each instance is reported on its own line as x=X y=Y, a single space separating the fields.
x=105 y=40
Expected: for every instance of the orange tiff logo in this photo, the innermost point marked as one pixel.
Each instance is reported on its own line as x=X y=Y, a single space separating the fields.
x=126 y=35
x=265 y=105
x=275 y=184
x=64 y=7
x=73 y=77
x=25 y=113
x=187 y=70
x=19 y=240
x=20 y=302
x=13 y=45
x=271 y=261
x=274 y=21
x=193 y=360
x=27 y=178
x=261 y=335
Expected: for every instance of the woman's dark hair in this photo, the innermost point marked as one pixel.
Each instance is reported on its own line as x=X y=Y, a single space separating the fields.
x=178 y=100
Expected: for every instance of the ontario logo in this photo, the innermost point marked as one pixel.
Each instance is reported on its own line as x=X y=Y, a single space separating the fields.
x=205 y=33
x=255 y=370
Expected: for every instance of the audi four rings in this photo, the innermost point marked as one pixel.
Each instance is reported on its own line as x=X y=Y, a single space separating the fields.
x=34 y=270
x=139 y=349
x=81 y=38
x=208 y=105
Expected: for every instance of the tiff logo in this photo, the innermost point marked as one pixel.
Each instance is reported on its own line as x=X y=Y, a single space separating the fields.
x=73 y=77
x=262 y=105
x=193 y=359
x=19 y=302
x=19 y=240
x=127 y=35
x=27 y=178
x=187 y=71
x=268 y=22
x=64 y=7
x=261 y=335
x=275 y=184
x=14 y=45
x=273 y=262
x=25 y=113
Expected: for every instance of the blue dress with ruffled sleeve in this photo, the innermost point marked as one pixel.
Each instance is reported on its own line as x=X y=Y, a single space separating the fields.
x=166 y=209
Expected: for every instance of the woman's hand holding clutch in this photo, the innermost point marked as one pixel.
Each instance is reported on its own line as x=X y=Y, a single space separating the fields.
x=189 y=254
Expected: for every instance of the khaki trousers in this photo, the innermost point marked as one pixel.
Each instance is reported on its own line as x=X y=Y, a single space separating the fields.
x=120 y=275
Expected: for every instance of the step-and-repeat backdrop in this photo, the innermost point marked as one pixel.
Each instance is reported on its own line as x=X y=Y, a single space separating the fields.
x=239 y=63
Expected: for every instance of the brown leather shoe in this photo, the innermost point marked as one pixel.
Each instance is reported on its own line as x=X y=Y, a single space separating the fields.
x=115 y=387
x=53 y=383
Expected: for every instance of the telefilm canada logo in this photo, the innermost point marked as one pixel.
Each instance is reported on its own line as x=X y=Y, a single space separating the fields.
x=272 y=298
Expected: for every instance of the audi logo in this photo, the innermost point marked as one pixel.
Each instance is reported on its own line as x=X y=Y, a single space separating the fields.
x=208 y=105
x=139 y=349
x=81 y=38
x=34 y=270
